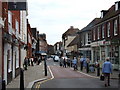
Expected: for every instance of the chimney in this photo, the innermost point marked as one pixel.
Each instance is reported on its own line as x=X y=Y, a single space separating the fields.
x=117 y=5
x=71 y=27
x=103 y=13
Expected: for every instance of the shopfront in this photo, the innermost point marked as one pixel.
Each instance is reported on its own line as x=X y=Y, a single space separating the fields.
x=113 y=51
x=98 y=52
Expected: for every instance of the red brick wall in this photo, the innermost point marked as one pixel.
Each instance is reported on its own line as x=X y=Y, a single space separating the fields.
x=0 y=8
x=15 y=16
x=5 y=15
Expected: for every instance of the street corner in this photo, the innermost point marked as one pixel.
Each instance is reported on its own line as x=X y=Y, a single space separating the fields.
x=37 y=83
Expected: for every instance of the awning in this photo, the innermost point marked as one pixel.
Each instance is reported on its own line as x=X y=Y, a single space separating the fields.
x=41 y=53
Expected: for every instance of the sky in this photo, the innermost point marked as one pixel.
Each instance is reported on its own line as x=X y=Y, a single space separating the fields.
x=54 y=17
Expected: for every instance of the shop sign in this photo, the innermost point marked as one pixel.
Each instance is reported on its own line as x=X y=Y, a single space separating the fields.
x=94 y=44
x=107 y=43
x=101 y=42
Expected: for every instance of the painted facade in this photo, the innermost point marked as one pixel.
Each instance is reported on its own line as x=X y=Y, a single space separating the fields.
x=14 y=41
x=67 y=38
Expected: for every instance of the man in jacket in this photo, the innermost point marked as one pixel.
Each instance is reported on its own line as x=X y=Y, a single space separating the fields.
x=74 y=62
x=106 y=70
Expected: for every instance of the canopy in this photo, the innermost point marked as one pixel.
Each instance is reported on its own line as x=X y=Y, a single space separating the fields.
x=41 y=53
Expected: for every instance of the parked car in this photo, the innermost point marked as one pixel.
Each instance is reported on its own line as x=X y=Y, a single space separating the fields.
x=56 y=59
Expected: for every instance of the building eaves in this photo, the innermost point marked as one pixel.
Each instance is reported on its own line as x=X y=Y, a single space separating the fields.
x=90 y=25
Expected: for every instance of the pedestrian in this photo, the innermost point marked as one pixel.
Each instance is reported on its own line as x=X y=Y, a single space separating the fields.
x=61 y=61
x=97 y=65
x=39 y=61
x=64 y=61
x=81 y=63
x=35 y=60
x=68 y=62
x=74 y=62
x=87 y=62
x=32 y=60
x=28 y=59
x=107 y=70
x=92 y=68
x=25 y=63
x=84 y=63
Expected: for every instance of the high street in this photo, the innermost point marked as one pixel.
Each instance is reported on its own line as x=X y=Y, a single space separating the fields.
x=68 y=78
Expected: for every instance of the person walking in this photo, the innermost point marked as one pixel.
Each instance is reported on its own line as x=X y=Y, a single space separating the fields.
x=74 y=62
x=32 y=61
x=25 y=63
x=64 y=62
x=81 y=63
x=106 y=70
x=87 y=62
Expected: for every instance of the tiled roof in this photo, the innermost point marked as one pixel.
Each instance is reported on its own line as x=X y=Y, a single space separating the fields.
x=71 y=31
x=90 y=25
x=74 y=41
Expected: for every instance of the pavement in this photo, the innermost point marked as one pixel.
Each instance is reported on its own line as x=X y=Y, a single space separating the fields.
x=36 y=73
x=114 y=74
x=31 y=75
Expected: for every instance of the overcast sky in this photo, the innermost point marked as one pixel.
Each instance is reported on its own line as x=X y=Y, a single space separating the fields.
x=54 y=17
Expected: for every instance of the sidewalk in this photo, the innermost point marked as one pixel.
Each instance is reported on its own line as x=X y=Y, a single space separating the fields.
x=114 y=74
x=33 y=74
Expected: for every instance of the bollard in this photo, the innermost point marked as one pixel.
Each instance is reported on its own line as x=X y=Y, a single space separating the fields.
x=87 y=68
x=45 y=67
x=3 y=85
x=21 y=79
x=98 y=70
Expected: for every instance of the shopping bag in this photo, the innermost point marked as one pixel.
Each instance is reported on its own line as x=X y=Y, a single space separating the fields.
x=102 y=77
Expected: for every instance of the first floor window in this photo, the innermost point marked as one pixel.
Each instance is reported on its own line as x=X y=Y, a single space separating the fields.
x=115 y=27
x=103 y=31
x=108 y=29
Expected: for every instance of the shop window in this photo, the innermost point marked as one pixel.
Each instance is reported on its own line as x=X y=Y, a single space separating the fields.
x=17 y=60
x=9 y=61
x=102 y=53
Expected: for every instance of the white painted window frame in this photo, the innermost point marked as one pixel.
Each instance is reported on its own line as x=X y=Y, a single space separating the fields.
x=115 y=27
x=108 y=29
x=103 y=31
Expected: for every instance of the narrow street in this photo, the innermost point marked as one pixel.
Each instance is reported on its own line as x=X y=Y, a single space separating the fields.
x=68 y=78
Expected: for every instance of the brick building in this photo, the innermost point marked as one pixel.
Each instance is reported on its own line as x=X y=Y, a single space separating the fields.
x=106 y=36
x=14 y=39
x=1 y=26
x=29 y=40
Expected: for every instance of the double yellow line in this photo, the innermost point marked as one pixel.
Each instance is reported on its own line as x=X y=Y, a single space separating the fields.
x=39 y=83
